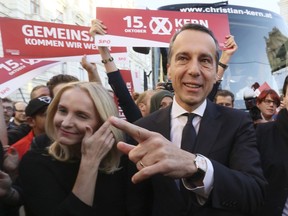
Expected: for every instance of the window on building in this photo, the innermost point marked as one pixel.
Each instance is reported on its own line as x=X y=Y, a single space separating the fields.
x=59 y=17
x=35 y=6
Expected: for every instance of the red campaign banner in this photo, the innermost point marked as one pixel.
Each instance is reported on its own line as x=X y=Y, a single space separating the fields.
x=16 y=72
x=127 y=77
x=50 y=41
x=31 y=47
x=153 y=28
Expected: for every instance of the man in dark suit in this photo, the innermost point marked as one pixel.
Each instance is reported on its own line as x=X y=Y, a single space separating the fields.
x=222 y=174
x=272 y=139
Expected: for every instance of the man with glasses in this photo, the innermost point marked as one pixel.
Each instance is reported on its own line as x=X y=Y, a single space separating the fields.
x=19 y=114
x=7 y=104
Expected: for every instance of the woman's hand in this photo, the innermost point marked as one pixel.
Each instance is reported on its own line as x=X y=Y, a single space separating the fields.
x=96 y=145
x=97 y=27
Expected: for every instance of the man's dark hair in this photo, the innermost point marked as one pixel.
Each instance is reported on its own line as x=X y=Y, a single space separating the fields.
x=36 y=88
x=59 y=79
x=196 y=27
x=7 y=100
x=224 y=93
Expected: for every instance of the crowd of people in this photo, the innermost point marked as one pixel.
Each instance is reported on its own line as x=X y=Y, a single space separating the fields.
x=67 y=152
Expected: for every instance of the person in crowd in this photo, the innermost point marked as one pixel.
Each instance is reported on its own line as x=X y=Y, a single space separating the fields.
x=3 y=130
x=7 y=104
x=17 y=133
x=4 y=177
x=57 y=81
x=267 y=102
x=38 y=91
x=272 y=139
x=220 y=172
x=18 y=114
x=135 y=96
x=115 y=80
x=54 y=85
x=82 y=172
x=224 y=98
x=39 y=142
x=144 y=100
x=160 y=100
x=36 y=117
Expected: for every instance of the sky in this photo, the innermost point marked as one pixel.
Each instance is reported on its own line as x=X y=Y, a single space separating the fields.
x=271 y=5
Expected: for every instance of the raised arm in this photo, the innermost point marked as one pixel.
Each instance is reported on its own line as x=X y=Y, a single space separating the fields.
x=227 y=53
x=91 y=69
x=126 y=102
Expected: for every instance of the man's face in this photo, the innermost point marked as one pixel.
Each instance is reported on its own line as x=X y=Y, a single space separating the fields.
x=8 y=111
x=43 y=91
x=20 y=116
x=192 y=68
x=37 y=123
x=224 y=101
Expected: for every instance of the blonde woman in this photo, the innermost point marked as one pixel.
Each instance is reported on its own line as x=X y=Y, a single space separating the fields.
x=82 y=172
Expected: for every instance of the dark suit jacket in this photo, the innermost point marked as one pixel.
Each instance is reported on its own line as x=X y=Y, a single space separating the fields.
x=227 y=137
x=274 y=152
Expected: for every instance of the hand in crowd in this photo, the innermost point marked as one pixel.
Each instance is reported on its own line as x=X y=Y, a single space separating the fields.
x=96 y=152
x=5 y=184
x=11 y=161
x=88 y=66
x=230 y=47
x=97 y=27
x=283 y=105
x=154 y=154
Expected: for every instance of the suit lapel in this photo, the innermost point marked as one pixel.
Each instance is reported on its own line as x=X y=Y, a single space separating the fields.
x=209 y=129
x=163 y=122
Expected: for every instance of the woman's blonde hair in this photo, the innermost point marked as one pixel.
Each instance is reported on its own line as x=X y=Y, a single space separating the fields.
x=105 y=107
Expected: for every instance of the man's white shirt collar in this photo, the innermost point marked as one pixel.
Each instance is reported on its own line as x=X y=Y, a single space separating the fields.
x=177 y=110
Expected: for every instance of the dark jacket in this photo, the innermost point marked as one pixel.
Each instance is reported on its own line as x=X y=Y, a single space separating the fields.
x=227 y=137
x=272 y=138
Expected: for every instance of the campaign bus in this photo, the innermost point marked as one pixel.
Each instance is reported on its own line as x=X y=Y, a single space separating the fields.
x=262 y=41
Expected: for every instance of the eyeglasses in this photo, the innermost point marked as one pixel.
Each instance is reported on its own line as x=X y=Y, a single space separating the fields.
x=8 y=108
x=268 y=102
x=19 y=110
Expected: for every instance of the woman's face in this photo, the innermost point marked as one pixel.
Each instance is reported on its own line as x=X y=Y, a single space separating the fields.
x=75 y=112
x=166 y=101
x=267 y=107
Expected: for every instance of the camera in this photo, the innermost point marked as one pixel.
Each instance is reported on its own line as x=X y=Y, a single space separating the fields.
x=168 y=86
x=250 y=100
